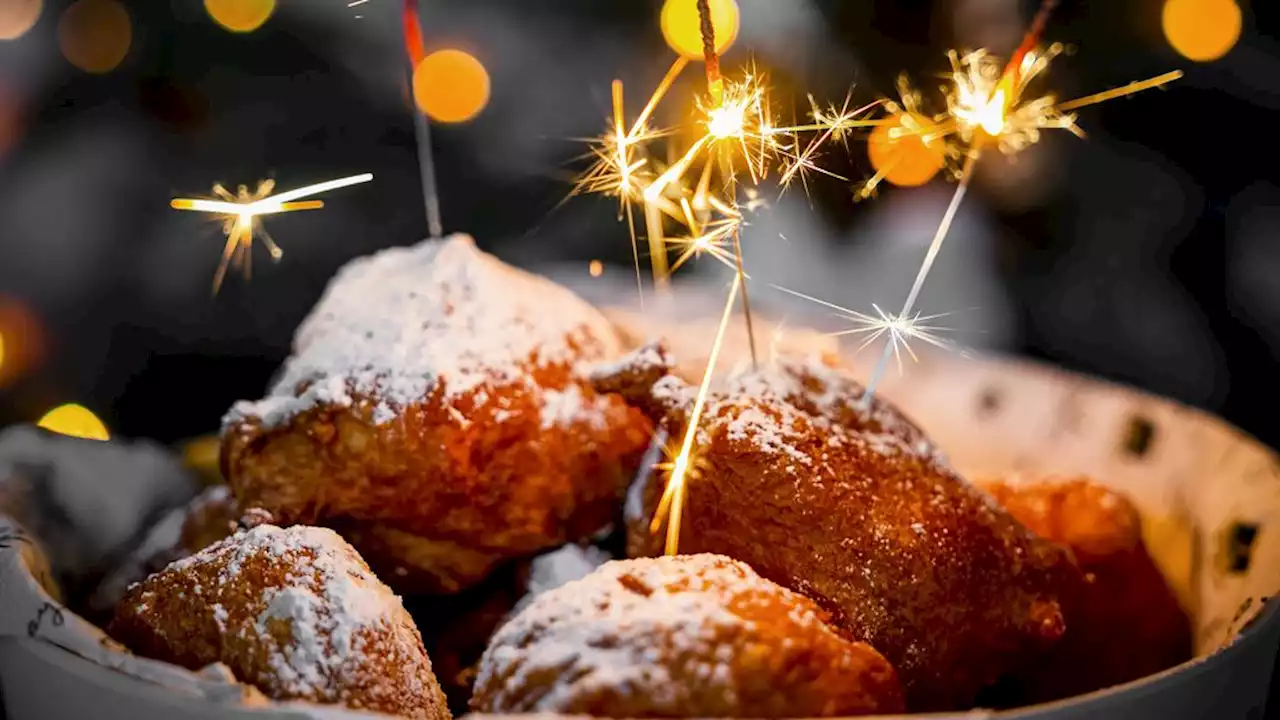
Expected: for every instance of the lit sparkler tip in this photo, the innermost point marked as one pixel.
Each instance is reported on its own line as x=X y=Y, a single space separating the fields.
x=241 y=216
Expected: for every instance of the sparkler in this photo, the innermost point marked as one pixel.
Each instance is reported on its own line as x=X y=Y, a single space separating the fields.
x=986 y=108
x=241 y=213
x=738 y=134
x=622 y=170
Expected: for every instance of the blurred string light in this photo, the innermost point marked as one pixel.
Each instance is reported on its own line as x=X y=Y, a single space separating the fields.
x=74 y=420
x=682 y=26
x=240 y=16
x=95 y=35
x=241 y=213
x=17 y=17
x=1202 y=30
x=450 y=86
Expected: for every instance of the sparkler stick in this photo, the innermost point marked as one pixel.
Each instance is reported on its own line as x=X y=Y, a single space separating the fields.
x=715 y=83
x=416 y=52
x=671 y=505
x=715 y=87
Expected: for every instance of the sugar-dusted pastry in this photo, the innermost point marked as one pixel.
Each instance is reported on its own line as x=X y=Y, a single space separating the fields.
x=1125 y=622
x=433 y=394
x=207 y=518
x=294 y=612
x=682 y=636
x=852 y=506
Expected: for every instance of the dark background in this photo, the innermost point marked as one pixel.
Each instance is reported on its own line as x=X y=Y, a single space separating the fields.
x=1145 y=253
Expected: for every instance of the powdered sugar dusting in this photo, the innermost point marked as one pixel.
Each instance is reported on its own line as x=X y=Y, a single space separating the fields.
x=328 y=598
x=403 y=322
x=627 y=625
x=562 y=408
x=774 y=407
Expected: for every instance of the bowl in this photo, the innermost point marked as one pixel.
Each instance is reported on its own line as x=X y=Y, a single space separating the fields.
x=1210 y=497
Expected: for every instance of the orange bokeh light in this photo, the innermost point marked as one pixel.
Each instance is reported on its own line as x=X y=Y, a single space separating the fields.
x=17 y=17
x=1202 y=30
x=682 y=27
x=74 y=421
x=240 y=16
x=21 y=342
x=450 y=86
x=906 y=160
x=596 y=268
x=95 y=34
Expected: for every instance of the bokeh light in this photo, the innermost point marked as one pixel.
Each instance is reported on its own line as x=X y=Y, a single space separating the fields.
x=450 y=86
x=17 y=17
x=74 y=421
x=682 y=27
x=21 y=339
x=240 y=16
x=596 y=268
x=1202 y=30
x=907 y=160
x=95 y=34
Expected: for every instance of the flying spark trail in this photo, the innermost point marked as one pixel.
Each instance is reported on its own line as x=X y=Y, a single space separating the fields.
x=898 y=330
x=241 y=212
x=671 y=505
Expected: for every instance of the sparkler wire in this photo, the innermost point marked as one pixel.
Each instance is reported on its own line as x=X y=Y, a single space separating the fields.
x=416 y=52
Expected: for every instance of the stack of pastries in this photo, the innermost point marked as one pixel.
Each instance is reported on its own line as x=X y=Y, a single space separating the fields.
x=484 y=440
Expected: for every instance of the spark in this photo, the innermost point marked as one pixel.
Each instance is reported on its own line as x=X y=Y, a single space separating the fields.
x=832 y=124
x=241 y=212
x=671 y=505
x=899 y=330
x=622 y=170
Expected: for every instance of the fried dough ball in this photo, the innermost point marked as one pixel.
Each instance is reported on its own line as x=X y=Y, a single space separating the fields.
x=205 y=519
x=1125 y=622
x=431 y=406
x=683 y=636
x=852 y=506
x=294 y=612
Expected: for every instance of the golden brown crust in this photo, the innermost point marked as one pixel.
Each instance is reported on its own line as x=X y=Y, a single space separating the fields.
x=1124 y=622
x=852 y=506
x=685 y=636
x=484 y=473
x=212 y=516
x=295 y=613
x=432 y=393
